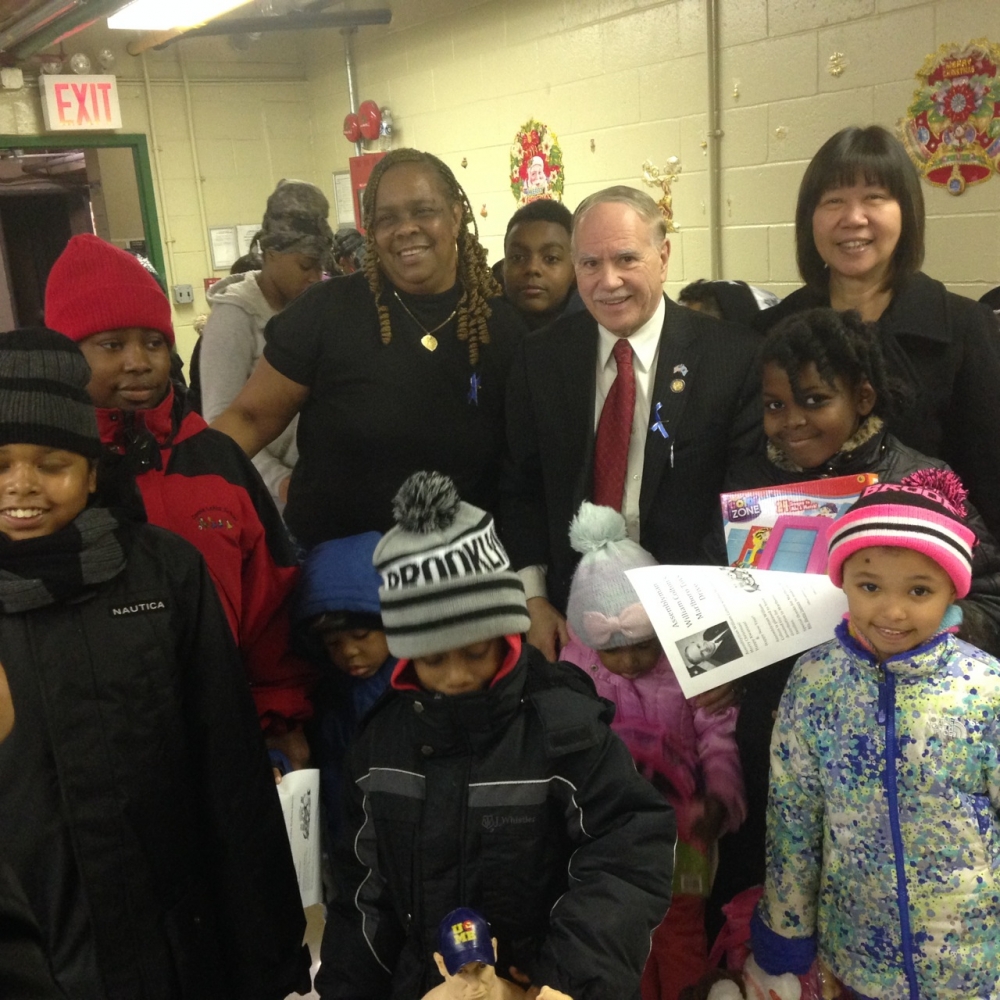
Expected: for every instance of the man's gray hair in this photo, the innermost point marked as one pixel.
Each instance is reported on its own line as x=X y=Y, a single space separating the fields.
x=639 y=201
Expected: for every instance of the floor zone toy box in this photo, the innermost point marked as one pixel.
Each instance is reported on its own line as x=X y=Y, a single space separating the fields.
x=785 y=527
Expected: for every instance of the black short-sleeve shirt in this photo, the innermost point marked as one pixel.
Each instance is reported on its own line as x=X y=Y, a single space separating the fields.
x=378 y=412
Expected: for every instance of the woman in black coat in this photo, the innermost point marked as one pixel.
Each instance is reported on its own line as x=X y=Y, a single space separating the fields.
x=859 y=244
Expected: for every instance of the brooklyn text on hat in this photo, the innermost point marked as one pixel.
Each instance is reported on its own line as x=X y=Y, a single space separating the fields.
x=475 y=552
x=446 y=579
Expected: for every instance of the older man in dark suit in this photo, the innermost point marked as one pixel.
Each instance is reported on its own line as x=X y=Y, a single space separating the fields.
x=637 y=403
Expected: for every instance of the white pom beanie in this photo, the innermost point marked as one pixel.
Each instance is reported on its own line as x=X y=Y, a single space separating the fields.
x=603 y=609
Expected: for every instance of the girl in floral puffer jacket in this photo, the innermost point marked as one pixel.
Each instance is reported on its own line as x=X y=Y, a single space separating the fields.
x=687 y=752
x=883 y=830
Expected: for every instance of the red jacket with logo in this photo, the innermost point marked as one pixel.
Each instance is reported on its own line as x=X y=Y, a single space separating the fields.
x=199 y=484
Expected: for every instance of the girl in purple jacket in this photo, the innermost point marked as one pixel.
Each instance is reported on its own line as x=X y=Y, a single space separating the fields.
x=687 y=752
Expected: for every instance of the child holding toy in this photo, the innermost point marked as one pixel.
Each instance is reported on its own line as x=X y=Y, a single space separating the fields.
x=883 y=830
x=486 y=777
x=688 y=752
x=828 y=409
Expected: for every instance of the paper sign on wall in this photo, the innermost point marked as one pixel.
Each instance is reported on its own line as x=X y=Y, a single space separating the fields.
x=245 y=235
x=79 y=103
x=225 y=247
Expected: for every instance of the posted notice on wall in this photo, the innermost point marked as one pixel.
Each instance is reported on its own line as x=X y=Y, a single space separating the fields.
x=298 y=794
x=719 y=623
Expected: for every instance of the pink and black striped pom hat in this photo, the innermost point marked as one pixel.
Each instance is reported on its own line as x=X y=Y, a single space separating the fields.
x=924 y=512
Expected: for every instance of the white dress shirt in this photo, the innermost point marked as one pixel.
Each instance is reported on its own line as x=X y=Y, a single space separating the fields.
x=645 y=344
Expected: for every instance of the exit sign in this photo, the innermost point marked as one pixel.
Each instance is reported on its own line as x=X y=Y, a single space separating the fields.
x=78 y=103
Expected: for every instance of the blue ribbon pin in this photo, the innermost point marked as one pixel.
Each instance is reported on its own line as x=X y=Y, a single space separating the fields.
x=474 y=383
x=657 y=424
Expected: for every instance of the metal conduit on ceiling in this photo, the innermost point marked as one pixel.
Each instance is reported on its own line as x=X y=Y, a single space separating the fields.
x=28 y=26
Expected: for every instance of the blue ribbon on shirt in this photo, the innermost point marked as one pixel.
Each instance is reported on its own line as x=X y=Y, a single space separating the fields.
x=657 y=424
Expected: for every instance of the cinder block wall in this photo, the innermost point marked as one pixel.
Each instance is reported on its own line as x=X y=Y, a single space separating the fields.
x=631 y=77
x=618 y=81
x=781 y=102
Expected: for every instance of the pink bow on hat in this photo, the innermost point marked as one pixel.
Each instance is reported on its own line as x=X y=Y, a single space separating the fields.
x=632 y=622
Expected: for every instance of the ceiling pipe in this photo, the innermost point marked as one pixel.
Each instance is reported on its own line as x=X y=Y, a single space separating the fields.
x=715 y=135
x=293 y=21
x=81 y=15
x=352 y=90
x=35 y=21
x=154 y=144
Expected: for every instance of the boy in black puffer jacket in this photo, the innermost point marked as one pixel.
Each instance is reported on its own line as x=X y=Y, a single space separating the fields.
x=489 y=778
x=138 y=811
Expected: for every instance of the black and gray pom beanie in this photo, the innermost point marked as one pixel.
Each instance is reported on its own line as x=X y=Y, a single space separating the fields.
x=446 y=579
x=43 y=393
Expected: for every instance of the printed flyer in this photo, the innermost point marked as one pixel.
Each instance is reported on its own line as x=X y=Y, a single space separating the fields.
x=298 y=794
x=719 y=623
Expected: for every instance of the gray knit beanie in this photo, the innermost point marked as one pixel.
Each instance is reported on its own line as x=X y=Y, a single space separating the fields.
x=43 y=393
x=604 y=610
x=296 y=220
x=446 y=579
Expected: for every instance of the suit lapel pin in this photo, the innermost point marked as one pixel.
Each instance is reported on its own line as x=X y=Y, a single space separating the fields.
x=681 y=370
x=474 y=383
x=677 y=385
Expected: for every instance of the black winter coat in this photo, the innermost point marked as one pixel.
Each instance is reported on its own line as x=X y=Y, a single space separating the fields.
x=517 y=801
x=24 y=970
x=139 y=812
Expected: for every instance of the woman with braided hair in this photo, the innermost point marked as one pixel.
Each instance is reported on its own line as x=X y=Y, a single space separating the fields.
x=397 y=367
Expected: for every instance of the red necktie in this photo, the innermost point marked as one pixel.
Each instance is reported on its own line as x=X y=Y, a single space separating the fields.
x=614 y=430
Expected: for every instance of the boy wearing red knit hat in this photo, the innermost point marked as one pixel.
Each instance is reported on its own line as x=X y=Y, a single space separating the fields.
x=882 y=823
x=192 y=480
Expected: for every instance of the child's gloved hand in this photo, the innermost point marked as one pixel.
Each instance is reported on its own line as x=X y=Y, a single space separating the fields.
x=534 y=992
x=708 y=825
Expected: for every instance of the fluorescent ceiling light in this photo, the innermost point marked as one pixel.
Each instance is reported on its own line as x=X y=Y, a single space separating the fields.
x=156 y=15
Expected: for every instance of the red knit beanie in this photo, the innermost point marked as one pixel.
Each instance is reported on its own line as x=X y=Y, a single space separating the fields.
x=94 y=287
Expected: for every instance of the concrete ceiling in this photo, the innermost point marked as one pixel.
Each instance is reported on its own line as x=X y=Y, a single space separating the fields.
x=11 y=11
